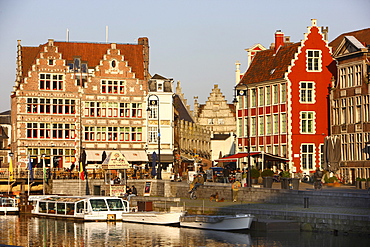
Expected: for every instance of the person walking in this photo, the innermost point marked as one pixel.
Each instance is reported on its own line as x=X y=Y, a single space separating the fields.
x=235 y=188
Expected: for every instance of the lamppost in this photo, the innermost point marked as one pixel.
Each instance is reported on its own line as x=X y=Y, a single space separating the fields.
x=43 y=173
x=153 y=103
x=10 y=171
x=242 y=90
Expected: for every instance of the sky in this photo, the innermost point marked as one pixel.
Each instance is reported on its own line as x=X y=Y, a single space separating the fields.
x=196 y=42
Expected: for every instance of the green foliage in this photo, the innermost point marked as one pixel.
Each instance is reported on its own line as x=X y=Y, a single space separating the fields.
x=285 y=174
x=368 y=179
x=331 y=179
x=360 y=179
x=267 y=173
x=255 y=173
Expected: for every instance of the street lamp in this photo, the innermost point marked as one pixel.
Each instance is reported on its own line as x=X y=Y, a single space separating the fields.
x=43 y=173
x=154 y=103
x=242 y=90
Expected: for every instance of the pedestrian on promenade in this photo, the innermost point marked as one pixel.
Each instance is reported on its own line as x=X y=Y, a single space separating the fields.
x=235 y=188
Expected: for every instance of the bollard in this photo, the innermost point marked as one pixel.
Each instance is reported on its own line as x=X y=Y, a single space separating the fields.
x=306 y=201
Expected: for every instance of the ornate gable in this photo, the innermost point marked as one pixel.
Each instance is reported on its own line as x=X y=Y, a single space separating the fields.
x=349 y=45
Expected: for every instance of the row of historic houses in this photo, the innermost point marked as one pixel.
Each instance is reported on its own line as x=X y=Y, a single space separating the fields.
x=308 y=102
x=73 y=98
x=301 y=105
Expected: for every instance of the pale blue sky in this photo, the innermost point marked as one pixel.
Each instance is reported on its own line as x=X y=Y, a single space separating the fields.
x=194 y=41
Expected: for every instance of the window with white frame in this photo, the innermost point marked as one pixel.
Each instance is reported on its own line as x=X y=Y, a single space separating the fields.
x=283 y=124
x=351 y=147
x=50 y=131
x=112 y=87
x=153 y=134
x=210 y=121
x=253 y=97
x=276 y=123
x=284 y=151
x=366 y=108
x=275 y=94
x=283 y=93
x=321 y=154
x=261 y=126
x=351 y=113
x=343 y=77
x=335 y=106
x=306 y=92
x=344 y=150
x=359 y=147
x=268 y=95
x=276 y=149
x=307 y=122
x=221 y=121
x=112 y=133
x=268 y=125
x=136 y=110
x=51 y=82
x=261 y=97
x=153 y=110
x=358 y=116
x=343 y=112
x=240 y=127
x=313 y=60
x=358 y=75
x=253 y=126
x=307 y=156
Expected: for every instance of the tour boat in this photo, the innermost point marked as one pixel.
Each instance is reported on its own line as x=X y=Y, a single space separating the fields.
x=87 y=208
x=8 y=205
x=100 y=208
x=218 y=222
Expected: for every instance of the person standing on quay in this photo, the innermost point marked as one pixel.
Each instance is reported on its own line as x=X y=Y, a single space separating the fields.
x=235 y=188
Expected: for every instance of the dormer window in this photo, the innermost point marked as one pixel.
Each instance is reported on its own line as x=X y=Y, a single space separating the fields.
x=160 y=87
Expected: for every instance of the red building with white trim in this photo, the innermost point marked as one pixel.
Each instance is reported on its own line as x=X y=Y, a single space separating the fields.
x=284 y=103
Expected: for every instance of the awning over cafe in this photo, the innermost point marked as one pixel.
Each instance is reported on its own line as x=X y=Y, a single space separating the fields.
x=94 y=155
x=130 y=155
x=235 y=157
x=265 y=156
x=136 y=156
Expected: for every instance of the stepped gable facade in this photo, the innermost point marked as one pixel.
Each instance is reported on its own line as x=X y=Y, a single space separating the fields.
x=216 y=114
x=74 y=95
x=283 y=100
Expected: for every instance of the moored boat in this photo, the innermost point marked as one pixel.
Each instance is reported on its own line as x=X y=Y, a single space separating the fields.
x=8 y=205
x=218 y=222
x=87 y=208
x=158 y=218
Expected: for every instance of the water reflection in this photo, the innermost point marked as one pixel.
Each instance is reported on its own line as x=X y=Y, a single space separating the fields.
x=32 y=231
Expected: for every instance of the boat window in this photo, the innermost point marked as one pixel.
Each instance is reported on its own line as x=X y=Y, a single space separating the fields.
x=115 y=205
x=42 y=207
x=70 y=208
x=98 y=205
x=61 y=208
x=51 y=207
x=80 y=207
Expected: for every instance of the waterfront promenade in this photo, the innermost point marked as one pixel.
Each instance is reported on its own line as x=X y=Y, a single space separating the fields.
x=334 y=218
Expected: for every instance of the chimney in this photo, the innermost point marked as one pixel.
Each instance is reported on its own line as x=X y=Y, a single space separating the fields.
x=279 y=39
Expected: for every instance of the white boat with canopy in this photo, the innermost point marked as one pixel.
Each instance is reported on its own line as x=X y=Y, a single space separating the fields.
x=8 y=205
x=100 y=208
x=88 y=208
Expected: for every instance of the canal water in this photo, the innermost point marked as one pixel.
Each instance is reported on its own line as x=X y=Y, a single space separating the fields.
x=33 y=231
